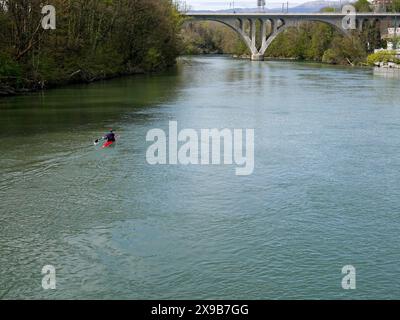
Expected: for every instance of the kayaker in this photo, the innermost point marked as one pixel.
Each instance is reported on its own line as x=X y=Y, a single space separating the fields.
x=110 y=137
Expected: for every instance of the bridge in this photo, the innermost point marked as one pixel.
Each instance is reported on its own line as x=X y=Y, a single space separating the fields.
x=267 y=26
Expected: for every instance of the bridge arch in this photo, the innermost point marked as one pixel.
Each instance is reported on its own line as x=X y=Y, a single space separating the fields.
x=278 y=25
x=238 y=29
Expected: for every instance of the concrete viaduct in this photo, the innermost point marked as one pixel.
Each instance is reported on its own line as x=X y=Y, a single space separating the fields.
x=272 y=24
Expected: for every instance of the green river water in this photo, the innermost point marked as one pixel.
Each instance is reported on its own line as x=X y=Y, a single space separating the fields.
x=325 y=191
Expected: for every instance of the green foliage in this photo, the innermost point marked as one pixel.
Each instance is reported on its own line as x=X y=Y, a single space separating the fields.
x=384 y=56
x=345 y=50
x=8 y=67
x=318 y=42
x=10 y=72
x=321 y=37
x=330 y=57
x=94 y=39
x=363 y=6
x=328 y=10
x=394 y=6
x=211 y=37
x=153 y=59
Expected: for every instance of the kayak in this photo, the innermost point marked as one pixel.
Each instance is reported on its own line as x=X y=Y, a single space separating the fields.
x=107 y=144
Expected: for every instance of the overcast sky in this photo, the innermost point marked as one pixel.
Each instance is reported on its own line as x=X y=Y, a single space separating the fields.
x=225 y=4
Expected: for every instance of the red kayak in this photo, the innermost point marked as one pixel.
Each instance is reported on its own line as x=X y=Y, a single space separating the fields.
x=107 y=144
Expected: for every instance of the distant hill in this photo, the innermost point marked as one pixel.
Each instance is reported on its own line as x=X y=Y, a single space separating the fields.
x=317 y=6
x=308 y=7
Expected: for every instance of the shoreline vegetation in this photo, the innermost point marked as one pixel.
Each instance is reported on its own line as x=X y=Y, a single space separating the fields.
x=93 y=40
x=97 y=40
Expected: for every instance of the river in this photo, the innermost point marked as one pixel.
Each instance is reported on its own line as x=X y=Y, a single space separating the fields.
x=325 y=191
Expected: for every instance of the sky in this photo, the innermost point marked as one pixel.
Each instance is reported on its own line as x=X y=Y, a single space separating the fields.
x=225 y=4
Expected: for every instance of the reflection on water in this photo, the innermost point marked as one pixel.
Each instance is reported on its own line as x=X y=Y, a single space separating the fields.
x=324 y=193
x=387 y=73
x=86 y=106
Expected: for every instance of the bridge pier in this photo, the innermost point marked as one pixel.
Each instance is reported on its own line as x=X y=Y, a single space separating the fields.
x=257 y=57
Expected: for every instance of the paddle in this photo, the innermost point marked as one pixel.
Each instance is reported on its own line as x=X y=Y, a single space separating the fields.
x=97 y=141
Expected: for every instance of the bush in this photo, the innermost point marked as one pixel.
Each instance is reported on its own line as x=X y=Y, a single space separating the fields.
x=152 y=60
x=330 y=57
x=10 y=72
x=384 y=56
x=8 y=67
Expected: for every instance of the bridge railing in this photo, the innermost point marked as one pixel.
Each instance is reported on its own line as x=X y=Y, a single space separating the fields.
x=271 y=7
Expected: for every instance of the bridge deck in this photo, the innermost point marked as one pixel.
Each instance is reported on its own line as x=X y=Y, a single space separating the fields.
x=294 y=15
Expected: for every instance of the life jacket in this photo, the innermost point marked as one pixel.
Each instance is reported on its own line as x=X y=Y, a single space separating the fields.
x=110 y=136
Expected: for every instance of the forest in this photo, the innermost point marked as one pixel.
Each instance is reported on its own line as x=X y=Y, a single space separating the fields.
x=93 y=39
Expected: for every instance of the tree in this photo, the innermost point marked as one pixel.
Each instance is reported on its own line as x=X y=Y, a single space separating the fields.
x=328 y=10
x=94 y=39
x=363 y=6
x=394 y=6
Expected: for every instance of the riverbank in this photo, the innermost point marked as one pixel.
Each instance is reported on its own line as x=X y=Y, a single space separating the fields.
x=248 y=57
x=6 y=91
x=269 y=58
x=81 y=78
